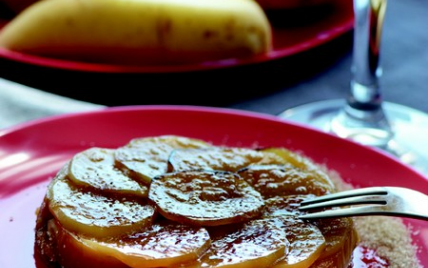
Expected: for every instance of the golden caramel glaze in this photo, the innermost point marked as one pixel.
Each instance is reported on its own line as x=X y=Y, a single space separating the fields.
x=163 y=244
x=207 y=206
x=342 y=257
x=92 y=214
x=306 y=242
x=284 y=205
x=283 y=180
x=70 y=250
x=258 y=243
x=219 y=158
x=145 y=158
x=95 y=167
x=56 y=247
x=339 y=234
x=302 y=163
x=207 y=198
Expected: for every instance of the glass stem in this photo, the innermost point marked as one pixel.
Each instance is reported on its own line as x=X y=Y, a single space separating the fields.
x=363 y=119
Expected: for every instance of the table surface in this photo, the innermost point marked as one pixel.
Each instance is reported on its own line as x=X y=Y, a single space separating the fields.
x=27 y=93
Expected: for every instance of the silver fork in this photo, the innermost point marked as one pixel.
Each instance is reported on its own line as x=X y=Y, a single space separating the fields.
x=389 y=201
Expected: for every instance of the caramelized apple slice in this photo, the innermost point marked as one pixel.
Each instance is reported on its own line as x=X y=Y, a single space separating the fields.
x=339 y=234
x=71 y=251
x=148 y=157
x=160 y=245
x=341 y=240
x=95 y=215
x=283 y=180
x=95 y=168
x=207 y=198
x=306 y=241
x=219 y=158
x=258 y=243
x=302 y=163
x=284 y=205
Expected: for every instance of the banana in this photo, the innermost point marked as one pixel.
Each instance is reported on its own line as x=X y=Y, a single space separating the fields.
x=149 y=31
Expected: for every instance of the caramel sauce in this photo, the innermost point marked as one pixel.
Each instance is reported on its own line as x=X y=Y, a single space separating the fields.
x=283 y=180
x=146 y=158
x=219 y=158
x=364 y=257
x=205 y=198
x=258 y=242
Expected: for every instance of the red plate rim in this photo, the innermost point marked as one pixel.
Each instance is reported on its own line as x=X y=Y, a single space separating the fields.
x=19 y=131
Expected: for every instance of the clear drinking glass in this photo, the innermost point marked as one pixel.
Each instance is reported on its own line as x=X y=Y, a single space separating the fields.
x=363 y=116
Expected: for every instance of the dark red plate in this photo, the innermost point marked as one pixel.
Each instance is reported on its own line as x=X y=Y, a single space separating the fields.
x=32 y=153
x=293 y=33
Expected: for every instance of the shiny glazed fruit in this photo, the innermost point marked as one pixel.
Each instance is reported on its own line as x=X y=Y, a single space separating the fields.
x=206 y=198
x=207 y=206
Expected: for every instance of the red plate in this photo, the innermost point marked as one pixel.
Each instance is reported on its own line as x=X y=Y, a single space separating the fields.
x=298 y=32
x=32 y=153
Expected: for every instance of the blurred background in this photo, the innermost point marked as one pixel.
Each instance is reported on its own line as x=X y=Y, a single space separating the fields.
x=314 y=46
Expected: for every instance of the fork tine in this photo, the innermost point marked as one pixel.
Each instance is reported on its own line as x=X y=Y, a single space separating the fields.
x=353 y=200
x=348 y=212
x=349 y=193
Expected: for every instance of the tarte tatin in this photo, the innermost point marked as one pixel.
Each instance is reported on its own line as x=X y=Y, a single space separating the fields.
x=173 y=201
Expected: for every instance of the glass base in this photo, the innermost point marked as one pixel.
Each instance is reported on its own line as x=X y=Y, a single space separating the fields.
x=410 y=128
